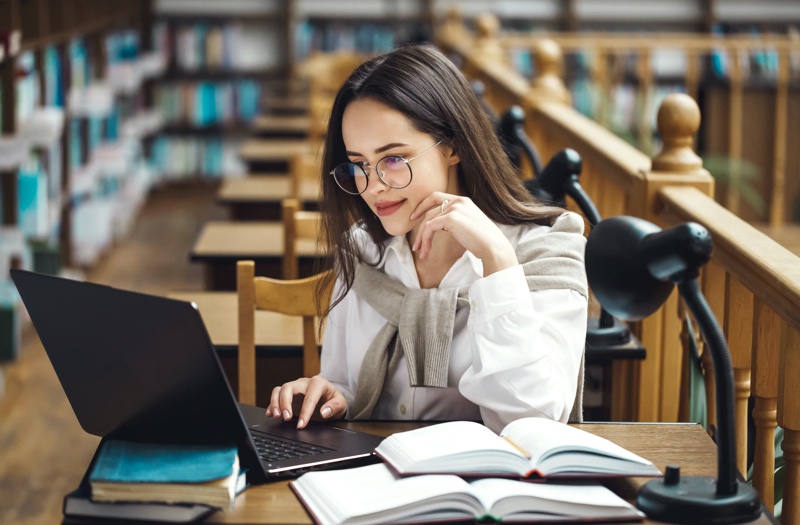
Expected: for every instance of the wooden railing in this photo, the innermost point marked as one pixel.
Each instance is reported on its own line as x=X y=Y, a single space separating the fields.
x=694 y=48
x=752 y=283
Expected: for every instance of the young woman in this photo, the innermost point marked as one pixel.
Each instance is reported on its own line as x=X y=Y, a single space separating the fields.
x=458 y=296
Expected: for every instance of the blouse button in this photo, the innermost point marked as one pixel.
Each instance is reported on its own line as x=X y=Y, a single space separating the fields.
x=403 y=409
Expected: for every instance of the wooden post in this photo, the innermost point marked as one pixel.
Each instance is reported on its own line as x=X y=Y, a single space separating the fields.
x=739 y=332
x=766 y=356
x=246 y=300
x=9 y=32
x=659 y=377
x=735 y=110
x=789 y=420
x=549 y=65
x=487 y=47
x=777 y=201
x=452 y=29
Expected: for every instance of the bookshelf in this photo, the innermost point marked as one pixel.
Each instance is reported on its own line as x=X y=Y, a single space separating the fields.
x=221 y=58
x=73 y=115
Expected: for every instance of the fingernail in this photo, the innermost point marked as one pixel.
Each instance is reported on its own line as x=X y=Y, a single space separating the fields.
x=276 y=412
x=286 y=415
x=300 y=423
x=325 y=412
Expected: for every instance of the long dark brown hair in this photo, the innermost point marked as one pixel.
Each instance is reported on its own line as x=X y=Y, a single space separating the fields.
x=425 y=86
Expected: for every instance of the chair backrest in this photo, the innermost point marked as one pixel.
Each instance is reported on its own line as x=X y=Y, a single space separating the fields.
x=299 y=297
x=304 y=177
x=297 y=225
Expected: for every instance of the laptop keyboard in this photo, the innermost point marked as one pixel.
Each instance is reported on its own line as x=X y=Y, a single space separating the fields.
x=273 y=448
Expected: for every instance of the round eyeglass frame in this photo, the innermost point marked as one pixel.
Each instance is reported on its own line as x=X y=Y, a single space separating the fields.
x=366 y=167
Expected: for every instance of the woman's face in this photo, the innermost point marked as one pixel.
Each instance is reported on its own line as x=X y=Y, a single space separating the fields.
x=372 y=131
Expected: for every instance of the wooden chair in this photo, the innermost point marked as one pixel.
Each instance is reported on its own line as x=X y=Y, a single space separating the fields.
x=304 y=176
x=297 y=225
x=299 y=297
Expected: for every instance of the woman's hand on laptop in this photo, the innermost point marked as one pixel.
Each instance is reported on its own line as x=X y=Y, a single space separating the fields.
x=316 y=391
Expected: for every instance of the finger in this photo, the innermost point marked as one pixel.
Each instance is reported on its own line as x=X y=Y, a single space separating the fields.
x=316 y=389
x=335 y=407
x=287 y=394
x=432 y=201
x=424 y=242
x=274 y=409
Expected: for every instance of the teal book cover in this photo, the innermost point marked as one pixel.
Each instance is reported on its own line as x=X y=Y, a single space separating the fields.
x=130 y=462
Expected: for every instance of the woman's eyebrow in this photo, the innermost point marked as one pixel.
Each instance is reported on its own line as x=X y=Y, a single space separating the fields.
x=379 y=150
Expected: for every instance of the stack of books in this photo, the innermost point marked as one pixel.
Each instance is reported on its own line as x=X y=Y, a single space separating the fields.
x=536 y=470
x=167 y=483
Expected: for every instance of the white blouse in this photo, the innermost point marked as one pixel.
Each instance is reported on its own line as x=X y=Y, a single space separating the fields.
x=515 y=353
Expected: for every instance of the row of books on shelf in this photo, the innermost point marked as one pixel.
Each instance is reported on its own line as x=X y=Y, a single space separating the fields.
x=626 y=106
x=179 y=157
x=536 y=469
x=336 y=36
x=667 y=63
x=231 y=46
x=208 y=103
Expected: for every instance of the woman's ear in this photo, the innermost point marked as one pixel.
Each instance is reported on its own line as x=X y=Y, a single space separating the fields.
x=453 y=158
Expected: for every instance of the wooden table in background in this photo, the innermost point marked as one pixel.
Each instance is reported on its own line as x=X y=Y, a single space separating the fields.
x=272 y=155
x=279 y=340
x=258 y=197
x=222 y=243
x=281 y=125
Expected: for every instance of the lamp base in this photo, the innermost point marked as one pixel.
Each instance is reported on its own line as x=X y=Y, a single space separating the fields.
x=601 y=336
x=693 y=500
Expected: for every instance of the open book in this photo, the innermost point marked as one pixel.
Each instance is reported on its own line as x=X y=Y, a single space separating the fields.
x=375 y=495
x=528 y=447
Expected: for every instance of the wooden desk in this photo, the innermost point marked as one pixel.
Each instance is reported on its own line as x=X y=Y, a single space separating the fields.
x=258 y=197
x=271 y=155
x=222 y=243
x=665 y=444
x=281 y=125
x=286 y=104
x=279 y=340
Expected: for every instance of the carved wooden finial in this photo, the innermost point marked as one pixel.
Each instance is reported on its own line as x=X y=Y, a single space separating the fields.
x=678 y=120
x=549 y=63
x=487 y=26
x=488 y=47
x=452 y=27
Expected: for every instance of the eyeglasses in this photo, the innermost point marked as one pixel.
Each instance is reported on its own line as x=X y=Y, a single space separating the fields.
x=394 y=171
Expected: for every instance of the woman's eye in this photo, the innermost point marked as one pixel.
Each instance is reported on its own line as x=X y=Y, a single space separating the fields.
x=394 y=162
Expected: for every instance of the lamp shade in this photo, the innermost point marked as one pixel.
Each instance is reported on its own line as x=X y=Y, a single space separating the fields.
x=618 y=274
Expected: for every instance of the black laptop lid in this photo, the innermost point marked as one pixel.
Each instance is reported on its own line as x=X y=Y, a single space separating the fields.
x=132 y=365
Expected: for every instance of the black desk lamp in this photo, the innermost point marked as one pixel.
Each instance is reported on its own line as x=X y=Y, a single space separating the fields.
x=632 y=266
x=557 y=180
x=512 y=129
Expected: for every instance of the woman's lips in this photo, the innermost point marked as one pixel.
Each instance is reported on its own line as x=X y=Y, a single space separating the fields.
x=385 y=209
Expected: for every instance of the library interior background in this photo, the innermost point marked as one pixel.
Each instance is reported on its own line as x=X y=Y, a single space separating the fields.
x=149 y=144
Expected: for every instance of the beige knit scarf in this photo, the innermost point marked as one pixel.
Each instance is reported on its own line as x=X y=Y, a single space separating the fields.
x=420 y=321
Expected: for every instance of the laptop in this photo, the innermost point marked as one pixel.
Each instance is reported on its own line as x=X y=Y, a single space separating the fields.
x=141 y=367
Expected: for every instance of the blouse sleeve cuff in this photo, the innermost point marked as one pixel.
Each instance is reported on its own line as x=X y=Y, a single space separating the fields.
x=498 y=294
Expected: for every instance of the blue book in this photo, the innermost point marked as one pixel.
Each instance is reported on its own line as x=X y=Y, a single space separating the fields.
x=127 y=471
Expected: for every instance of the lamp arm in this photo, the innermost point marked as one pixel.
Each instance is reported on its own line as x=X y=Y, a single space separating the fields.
x=583 y=201
x=723 y=375
x=530 y=149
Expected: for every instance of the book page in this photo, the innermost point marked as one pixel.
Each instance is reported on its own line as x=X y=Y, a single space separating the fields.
x=505 y=498
x=445 y=439
x=539 y=436
x=376 y=495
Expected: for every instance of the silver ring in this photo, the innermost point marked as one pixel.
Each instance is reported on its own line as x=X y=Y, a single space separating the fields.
x=445 y=201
